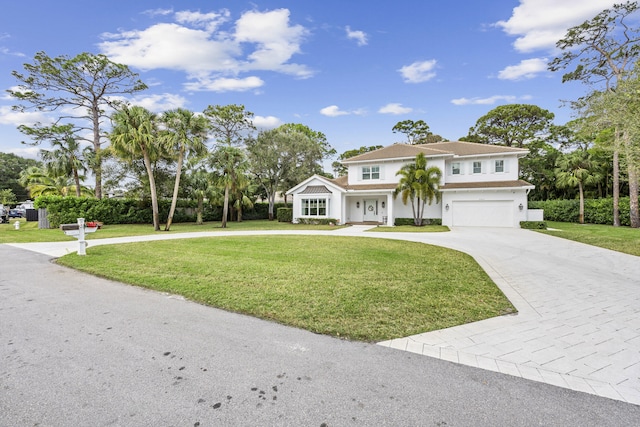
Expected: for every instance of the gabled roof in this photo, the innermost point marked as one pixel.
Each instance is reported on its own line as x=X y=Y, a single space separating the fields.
x=343 y=182
x=453 y=148
x=316 y=188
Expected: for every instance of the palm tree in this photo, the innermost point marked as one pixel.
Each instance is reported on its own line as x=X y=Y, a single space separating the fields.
x=67 y=158
x=199 y=185
x=419 y=184
x=231 y=163
x=574 y=170
x=42 y=182
x=185 y=133
x=134 y=136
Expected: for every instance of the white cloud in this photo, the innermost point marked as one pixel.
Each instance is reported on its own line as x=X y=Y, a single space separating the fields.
x=16 y=118
x=526 y=69
x=27 y=152
x=359 y=36
x=225 y=84
x=197 y=44
x=394 y=108
x=268 y=122
x=333 y=111
x=161 y=102
x=539 y=24
x=487 y=101
x=419 y=71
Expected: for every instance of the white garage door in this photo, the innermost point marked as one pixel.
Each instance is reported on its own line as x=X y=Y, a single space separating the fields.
x=483 y=213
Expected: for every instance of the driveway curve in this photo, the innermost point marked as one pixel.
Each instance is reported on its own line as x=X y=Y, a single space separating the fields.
x=578 y=320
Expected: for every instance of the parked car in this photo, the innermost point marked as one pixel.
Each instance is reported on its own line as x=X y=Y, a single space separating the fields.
x=15 y=213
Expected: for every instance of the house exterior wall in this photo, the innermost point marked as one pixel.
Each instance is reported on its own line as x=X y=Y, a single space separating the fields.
x=334 y=207
x=488 y=169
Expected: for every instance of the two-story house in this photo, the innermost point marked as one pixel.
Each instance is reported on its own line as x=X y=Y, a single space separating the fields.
x=480 y=187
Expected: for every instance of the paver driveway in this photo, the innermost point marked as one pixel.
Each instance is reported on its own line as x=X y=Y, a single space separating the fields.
x=578 y=324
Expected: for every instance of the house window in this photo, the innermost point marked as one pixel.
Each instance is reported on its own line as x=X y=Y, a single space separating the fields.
x=370 y=172
x=477 y=167
x=455 y=168
x=499 y=165
x=314 y=207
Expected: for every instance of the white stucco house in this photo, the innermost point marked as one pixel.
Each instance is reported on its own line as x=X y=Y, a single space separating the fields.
x=480 y=187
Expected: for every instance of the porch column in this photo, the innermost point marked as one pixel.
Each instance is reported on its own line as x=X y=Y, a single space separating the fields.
x=389 y=210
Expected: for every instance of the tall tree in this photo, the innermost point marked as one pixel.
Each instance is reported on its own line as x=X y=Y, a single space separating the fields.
x=42 y=182
x=309 y=155
x=602 y=50
x=415 y=131
x=273 y=157
x=230 y=125
x=231 y=163
x=574 y=170
x=10 y=168
x=134 y=136
x=419 y=183
x=512 y=125
x=185 y=133
x=339 y=169
x=82 y=89
x=67 y=156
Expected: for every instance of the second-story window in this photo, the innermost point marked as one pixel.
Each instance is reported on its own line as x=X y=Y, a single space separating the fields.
x=499 y=165
x=455 y=168
x=477 y=167
x=370 y=172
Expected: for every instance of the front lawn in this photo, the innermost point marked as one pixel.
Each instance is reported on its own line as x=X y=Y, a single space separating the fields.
x=29 y=231
x=356 y=288
x=621 y=239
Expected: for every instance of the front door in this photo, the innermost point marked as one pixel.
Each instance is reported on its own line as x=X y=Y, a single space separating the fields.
x=370 y=210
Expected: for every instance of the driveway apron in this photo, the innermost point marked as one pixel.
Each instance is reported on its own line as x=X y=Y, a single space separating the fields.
x=578 y=320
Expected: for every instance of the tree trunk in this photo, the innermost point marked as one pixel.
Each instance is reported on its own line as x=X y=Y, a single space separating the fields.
x=97 y=166
x=634 y=216
x=154 y=195
x=272 y=201
x=199 y=211
x=76 y=179
x=616 y=187
x=176 y=188
x=225 y=207
x=581 y=214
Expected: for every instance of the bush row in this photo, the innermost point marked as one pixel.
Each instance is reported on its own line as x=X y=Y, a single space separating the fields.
x=64 y=210
x=425 y=221
x=596 y=211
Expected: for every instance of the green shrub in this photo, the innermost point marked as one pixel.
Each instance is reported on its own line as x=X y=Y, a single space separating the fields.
x=533 y=225
x=410 y=221
x=317 y=221
x=596 y=211
x=284 y=214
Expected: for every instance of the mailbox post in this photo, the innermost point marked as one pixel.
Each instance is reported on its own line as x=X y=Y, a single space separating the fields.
x=78 y=231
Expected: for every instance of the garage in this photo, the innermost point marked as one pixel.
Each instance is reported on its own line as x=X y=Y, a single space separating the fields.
x=483 y=213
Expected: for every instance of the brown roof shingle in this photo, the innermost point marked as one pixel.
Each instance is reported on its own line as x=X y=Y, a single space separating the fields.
x=456 y=148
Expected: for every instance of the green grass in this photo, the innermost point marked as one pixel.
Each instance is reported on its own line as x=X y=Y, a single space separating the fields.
x=29 y=231
x=356 y=288
x=411 y=229
x=621 y=239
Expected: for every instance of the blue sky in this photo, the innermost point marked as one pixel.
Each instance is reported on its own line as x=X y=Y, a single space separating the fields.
x=350 y=69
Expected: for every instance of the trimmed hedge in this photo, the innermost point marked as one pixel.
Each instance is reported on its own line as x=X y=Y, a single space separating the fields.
x=317 y=221
x=425 y=221
x=596 y=211
x=64 y=210
x=284 y=214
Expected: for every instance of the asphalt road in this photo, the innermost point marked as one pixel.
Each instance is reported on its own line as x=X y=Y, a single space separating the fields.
x=77 y=350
